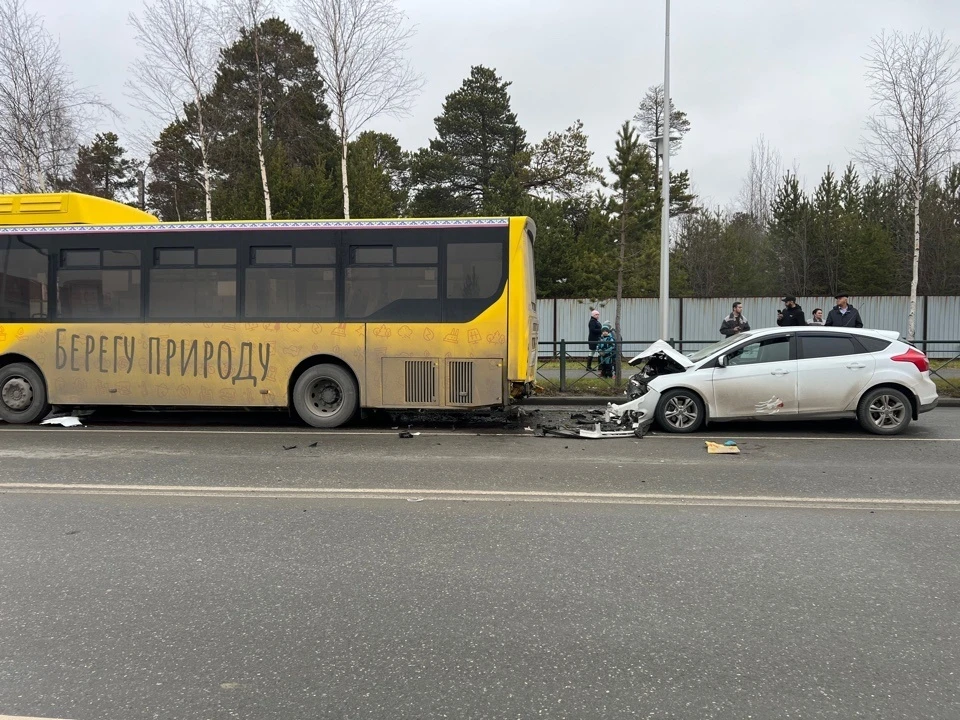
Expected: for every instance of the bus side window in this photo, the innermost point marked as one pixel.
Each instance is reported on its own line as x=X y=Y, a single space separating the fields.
x=98 y=285
x=23 y=280
x=190 y=284
x=278 y=288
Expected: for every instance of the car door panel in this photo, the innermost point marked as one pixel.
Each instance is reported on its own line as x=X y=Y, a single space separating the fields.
x=760 y=380
x=832 y=372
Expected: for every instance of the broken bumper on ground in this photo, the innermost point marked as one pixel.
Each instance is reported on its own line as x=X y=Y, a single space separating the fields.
x=640 y=410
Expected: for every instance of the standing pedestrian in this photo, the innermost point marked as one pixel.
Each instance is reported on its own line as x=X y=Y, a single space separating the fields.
x=606 y=351
x=735 y=322
x=792 y=314
x=817 y=317
x=594 y=328
x=844 y=314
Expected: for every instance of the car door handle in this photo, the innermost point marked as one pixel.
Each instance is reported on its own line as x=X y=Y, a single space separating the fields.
x=855 y=366
x=778 y=371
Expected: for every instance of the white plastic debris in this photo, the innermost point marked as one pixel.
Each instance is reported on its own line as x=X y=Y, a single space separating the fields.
x=68 y=421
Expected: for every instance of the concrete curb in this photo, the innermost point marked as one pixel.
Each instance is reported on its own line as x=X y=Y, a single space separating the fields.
x=601 y=401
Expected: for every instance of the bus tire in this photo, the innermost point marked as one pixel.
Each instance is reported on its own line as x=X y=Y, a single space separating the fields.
x=23 y=394
x=325 y=396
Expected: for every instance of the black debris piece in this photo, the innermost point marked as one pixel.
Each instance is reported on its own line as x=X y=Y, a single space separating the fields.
x=405 y=435
x=71 y=532
x=288 y=447
x=313 y=444
x=578 y=416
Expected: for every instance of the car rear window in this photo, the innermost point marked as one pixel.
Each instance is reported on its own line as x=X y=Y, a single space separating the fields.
x=821 y=346
x=872 y=344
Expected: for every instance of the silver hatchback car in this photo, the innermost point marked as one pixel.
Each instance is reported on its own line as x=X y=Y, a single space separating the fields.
x=809 y=372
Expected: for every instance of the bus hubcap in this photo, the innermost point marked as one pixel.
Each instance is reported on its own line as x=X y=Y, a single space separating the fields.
x=17 y=394
x=325 y=396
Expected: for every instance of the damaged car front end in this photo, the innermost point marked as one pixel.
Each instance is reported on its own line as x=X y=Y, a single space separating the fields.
x=656 y=361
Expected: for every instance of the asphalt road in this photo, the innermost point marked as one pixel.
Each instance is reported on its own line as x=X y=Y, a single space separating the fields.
x=177 y=568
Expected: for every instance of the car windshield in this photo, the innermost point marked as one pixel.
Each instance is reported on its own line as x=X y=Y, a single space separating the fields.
x=710 y=349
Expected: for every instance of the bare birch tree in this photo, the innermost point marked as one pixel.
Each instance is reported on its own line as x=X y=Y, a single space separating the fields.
x=249 y=15
x=176 y=69
x=760 y=185
x=42 y=110
x=915 y=84
x=361 y=47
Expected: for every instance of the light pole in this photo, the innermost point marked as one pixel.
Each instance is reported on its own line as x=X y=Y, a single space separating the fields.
x=665 y=220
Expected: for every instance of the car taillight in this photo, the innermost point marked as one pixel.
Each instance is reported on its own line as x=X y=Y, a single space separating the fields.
x=914 y=356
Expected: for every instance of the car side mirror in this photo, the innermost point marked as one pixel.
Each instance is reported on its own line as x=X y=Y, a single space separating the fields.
x=722 y=361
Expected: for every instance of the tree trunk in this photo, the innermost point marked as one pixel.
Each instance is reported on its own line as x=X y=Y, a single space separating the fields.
x=617 y=315
x=912 y=317
x=204 y=161
x=343 y=172
x=268 y=212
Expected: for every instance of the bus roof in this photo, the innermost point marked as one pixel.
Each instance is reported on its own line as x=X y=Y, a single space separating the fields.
x=67 y=209
x=75 y=212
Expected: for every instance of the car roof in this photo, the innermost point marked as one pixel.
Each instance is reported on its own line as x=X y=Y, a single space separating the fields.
x=871 y=332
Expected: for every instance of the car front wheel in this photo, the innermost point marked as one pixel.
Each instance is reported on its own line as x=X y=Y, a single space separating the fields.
x=884 y=411
x=680 y=411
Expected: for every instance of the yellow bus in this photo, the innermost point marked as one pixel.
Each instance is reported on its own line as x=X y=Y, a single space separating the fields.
x=102 y=304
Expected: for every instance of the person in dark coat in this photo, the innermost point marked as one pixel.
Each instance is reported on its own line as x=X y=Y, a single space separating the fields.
x=792 y=314
x=735 y=322
x=844 y=314
x=594 y=328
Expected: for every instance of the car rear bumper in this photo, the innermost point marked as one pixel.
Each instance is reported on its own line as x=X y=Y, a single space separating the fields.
x=929 y=406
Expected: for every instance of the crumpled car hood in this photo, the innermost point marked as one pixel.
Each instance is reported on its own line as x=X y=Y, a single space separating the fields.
x=663 y=348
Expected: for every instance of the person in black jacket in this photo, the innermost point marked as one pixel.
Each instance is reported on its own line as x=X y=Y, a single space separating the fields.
x=735 y=322
x=594 y=328
x=844 y=314
x=792 y=314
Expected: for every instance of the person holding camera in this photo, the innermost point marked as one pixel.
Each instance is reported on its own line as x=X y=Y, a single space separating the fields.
x=792 y=314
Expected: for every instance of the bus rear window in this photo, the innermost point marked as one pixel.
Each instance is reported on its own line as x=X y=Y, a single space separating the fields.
x=474 y=270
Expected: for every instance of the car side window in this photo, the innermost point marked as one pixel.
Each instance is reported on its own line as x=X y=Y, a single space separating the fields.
x=770 y=350
x=823 y=346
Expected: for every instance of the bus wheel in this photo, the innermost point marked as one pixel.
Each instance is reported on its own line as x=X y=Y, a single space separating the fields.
x=325 y=396
x=23 y=394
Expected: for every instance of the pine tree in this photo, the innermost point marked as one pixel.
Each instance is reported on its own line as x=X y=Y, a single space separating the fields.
x=472 y=166
x=102 y=168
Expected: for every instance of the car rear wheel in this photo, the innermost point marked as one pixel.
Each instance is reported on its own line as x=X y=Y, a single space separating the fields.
x=884 y=411
x=680 y=411
x=325 y=396
x=23 y=394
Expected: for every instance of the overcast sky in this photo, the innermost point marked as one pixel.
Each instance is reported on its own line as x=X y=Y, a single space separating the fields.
x=790 y=70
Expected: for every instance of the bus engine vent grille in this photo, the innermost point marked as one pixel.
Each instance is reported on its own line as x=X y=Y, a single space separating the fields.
x=461 y=382
x=421 y=382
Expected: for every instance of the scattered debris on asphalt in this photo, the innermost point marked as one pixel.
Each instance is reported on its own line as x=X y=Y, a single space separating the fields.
x=599 y=431
x=67 y=421
x=314 y=444
x=414 y=499
x=288 y=447
x=405 y=434
x=727 y=448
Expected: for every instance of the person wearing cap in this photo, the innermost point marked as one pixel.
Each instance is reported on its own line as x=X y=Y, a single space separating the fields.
x=594 y=329
x=843 y=314
x=735 y=322
x=792 y=314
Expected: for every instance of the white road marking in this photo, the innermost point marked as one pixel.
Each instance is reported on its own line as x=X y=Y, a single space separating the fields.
x=454 y=433
x=22 y=717
x=446 y=494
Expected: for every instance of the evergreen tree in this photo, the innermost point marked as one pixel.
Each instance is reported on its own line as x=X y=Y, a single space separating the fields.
x=379 y=176
x=102 y=169
x=175 y=192
x=279 y=75
x=472 y=166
